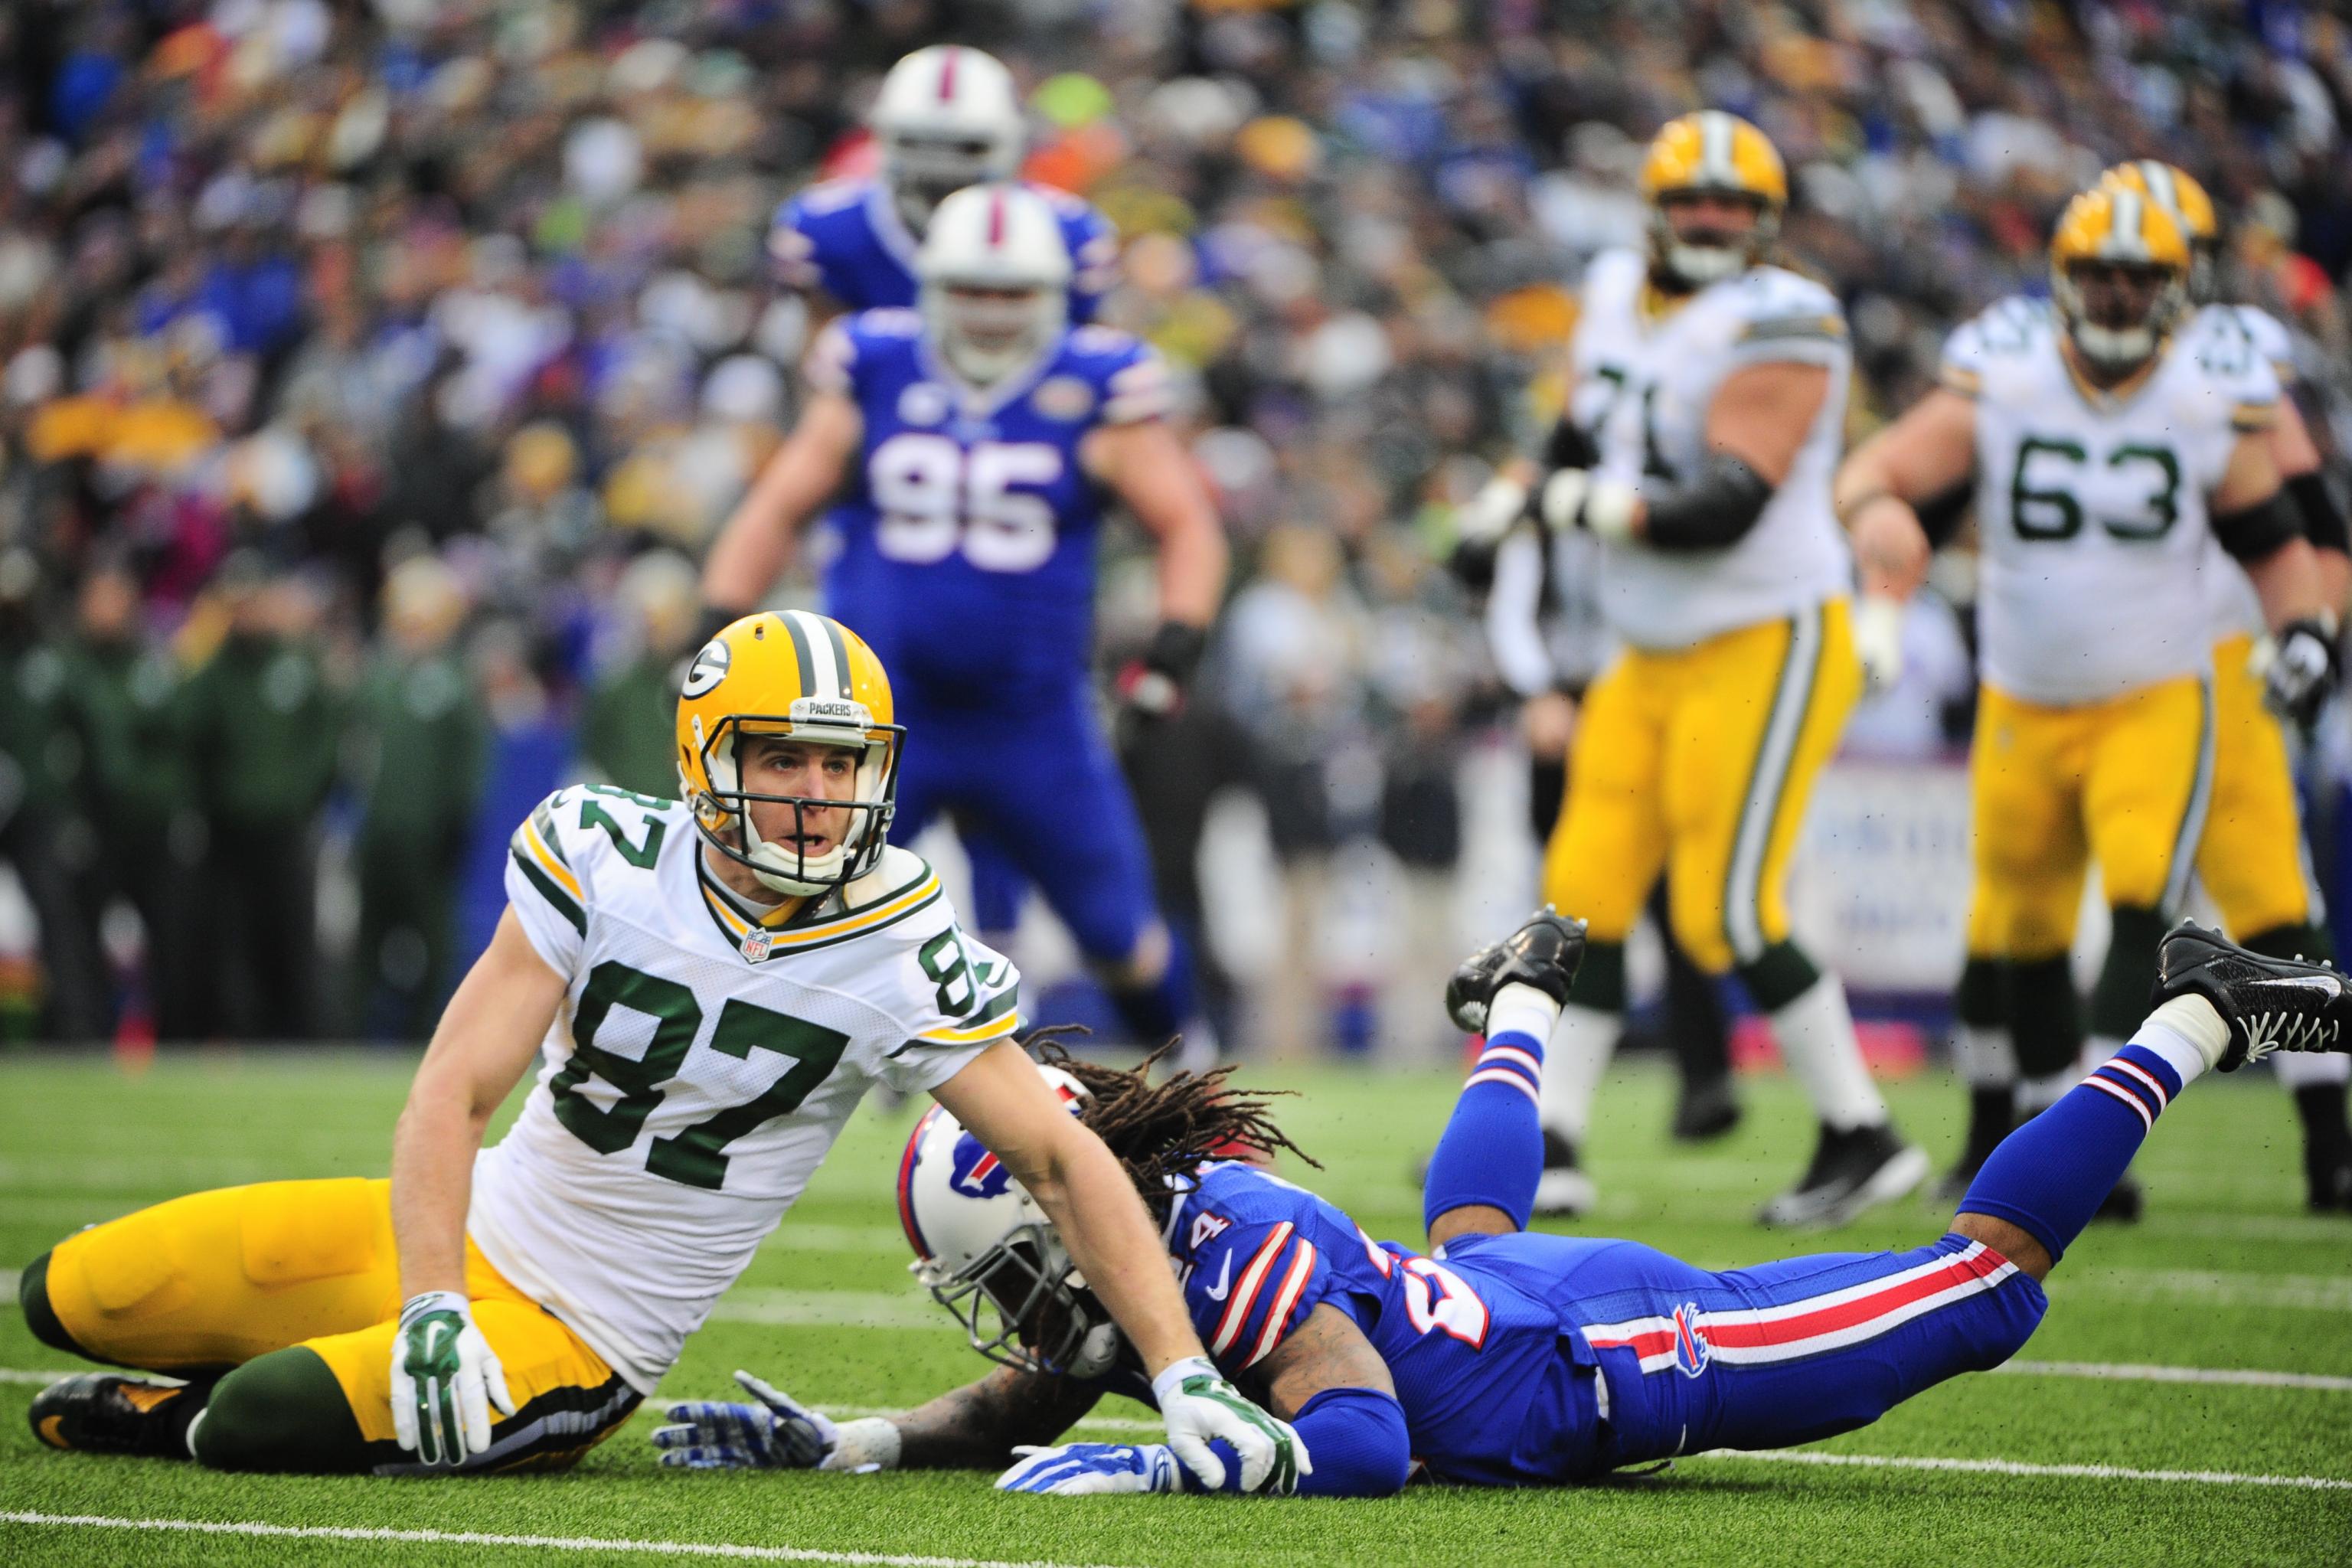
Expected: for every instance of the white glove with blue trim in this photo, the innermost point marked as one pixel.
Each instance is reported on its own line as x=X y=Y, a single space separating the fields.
x=776 y=1432
x=1084 y=1469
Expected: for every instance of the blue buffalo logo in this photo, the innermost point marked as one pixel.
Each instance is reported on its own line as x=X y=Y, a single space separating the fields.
x=974 y=1171
x=1692 y=1352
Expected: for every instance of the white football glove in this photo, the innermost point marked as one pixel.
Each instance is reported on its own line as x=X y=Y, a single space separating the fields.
x=1090 y=1469
x=1199 y=1405
x=776 y=1432
x=1878 y=639
x=445 y=1378
x=1578 y=497
x=1499 y=503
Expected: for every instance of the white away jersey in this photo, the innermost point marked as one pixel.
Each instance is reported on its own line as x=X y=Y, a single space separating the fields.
x=1643 y=390
x=701 y=1065
x=2096 y=540
x=2231 y=339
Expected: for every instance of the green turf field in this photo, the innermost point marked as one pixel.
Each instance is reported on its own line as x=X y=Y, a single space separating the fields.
x=2228 y=1275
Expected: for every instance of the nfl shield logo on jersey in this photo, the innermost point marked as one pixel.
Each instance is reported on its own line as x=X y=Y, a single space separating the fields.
x=974 y=1171
x=1692 y=1352
x=756 y=942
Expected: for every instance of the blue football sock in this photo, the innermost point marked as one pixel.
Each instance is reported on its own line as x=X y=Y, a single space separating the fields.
x=1492 y=1153
x=2049 y=1177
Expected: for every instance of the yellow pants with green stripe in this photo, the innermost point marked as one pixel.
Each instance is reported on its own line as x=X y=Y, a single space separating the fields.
x=1700 y=762
x=2123 y=782
x=2251 y=858
x=212 y=1280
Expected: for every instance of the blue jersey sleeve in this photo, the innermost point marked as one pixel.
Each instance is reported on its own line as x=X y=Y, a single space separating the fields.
x=807 y=243
x=1094 y=254
x=1131 y=377
x=1251 y=1280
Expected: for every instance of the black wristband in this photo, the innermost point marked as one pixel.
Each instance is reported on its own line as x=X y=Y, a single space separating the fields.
x=1568 y=447
x=2322 y=520
x=713 y=620
x=1175 y=651
x=1711 y=512
x=2262 y=529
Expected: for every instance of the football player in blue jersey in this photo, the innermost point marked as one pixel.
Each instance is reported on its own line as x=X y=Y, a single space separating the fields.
x=971 y=444
x=946 y=117
x=1498 y=1357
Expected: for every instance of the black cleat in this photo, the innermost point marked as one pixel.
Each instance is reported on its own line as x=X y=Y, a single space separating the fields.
x=1563 y=1191
x=1852 y=1171
x=1705 y=1112
x=1992 y=1114
x=106 y=1413
x=1543 y=953
x=2269 y=1004
x=2329 y=1184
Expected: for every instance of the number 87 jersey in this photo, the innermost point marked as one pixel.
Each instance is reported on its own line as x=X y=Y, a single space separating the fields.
x=702 y=1062
x=971 y=515
x=2092 y=506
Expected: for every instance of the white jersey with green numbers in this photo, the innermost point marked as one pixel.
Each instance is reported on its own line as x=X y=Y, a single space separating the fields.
x=1645 y=382
x=2095 y=539
x=2231 y=339
x=702 y=1062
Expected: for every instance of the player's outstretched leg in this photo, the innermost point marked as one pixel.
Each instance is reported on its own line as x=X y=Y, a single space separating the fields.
x=2218 y=1005
x=1483 y=1176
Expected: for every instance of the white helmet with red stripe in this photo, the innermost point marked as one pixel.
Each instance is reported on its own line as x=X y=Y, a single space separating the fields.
x=984 y=1248
x=946 y=117
x=995 y=280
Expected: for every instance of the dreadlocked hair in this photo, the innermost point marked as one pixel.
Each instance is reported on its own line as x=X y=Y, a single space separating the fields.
x=1161 y=1134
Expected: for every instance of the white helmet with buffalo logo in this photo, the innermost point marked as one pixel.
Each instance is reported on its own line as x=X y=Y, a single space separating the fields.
x=988 y=1254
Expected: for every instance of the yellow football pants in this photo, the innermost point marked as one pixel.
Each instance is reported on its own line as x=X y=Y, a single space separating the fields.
x=2251 y=858
x=2123 y=782
x=213 y=1279
x=1700 y=761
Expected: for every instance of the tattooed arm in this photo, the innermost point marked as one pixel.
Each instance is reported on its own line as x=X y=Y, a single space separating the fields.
x=976 y=1427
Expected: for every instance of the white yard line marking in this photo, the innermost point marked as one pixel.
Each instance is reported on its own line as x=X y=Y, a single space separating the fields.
x=477 y=1538
x=2018 y=1468
x=828 y=1308
x=2132 y=1372
x=2220 y=1288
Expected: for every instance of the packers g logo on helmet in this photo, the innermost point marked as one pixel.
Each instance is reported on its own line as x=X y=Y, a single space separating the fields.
x=2112 y=226
x=2186 y=203
x=1712 y=153
x=810 y=679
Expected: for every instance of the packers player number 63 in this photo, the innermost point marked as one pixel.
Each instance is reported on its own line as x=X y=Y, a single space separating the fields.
x=709 y=988
x=2112 y=463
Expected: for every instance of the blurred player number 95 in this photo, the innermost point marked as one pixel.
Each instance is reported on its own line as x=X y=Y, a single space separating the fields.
x=934 y=496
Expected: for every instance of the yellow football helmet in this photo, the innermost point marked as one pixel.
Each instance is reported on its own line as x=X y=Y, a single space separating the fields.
x=810 y=678
x=2115 y=227
x=2184 y=201
x=1712 y=152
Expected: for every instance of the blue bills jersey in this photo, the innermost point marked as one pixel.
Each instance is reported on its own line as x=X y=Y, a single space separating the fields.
x=1496 y=1390
x=846 y=237
x=967 y=530
x=1524 y=1359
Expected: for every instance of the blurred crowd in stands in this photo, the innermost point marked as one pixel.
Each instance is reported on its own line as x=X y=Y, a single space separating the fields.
x=373 y=371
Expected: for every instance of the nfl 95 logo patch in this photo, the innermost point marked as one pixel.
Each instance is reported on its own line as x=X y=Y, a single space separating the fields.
x=1692 y=1352
x=1065 y=398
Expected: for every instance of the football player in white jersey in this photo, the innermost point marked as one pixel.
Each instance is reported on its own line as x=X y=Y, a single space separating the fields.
x=708 y=989
x=1703 y=422
x=2253 y=861
x=2109 y=459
